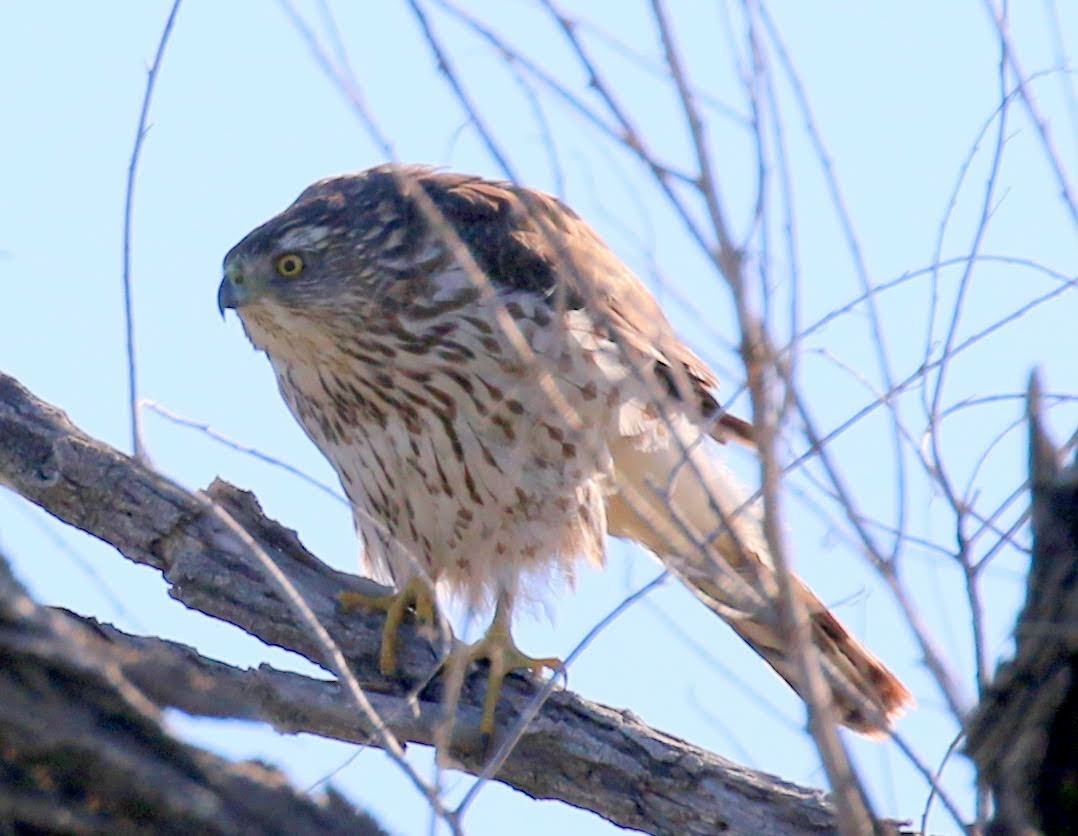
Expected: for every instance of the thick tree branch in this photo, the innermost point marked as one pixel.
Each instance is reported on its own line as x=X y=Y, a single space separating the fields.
x=83 y=751
x=585 y=754
x=1023 y=736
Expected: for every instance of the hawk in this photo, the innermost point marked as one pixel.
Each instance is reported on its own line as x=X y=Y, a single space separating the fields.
x=498 y=392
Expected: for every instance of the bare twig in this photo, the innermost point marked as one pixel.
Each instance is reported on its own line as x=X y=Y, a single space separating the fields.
x=879 y=342
x=232 y=444
x=137 y=444
x=630 y=136
x=445 y=67
x=729 y=256
x=1032 y=111
x=341 y=76
x=962 y=553
x=855 y=814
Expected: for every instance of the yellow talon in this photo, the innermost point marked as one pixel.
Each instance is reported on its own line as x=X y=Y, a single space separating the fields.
x=499 y=649
x=496 y=646
x=415 y=594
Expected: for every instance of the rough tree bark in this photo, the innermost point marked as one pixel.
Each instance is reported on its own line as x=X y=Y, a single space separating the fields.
x=585 y=754
x=82 y=749
x=1024 y=734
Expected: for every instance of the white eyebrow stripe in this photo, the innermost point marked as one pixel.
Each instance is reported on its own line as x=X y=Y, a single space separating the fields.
x=303 y=236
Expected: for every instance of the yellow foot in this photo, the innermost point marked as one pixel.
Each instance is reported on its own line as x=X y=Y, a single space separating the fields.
x=498 y=648
x=416 y=595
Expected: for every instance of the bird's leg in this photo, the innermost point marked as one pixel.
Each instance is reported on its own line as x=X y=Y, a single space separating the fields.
x=415 y=594
x=499 y=649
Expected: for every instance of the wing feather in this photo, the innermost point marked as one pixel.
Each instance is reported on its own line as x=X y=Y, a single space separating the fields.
x=529 y=240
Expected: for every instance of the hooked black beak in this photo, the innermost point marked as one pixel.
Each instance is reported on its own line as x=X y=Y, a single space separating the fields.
x=226 y=296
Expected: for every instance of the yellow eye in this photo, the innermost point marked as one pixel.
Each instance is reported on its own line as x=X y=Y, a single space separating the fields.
x=289 y=265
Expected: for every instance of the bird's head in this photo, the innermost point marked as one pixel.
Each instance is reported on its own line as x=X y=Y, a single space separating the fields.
x=336 y=250
x=279 y=264
x=301 y=260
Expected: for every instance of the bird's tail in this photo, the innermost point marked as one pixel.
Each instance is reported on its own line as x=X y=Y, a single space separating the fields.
x=866 y=695
x=691 y=512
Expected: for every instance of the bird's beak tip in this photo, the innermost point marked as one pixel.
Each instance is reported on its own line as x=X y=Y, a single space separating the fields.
x=226 y=296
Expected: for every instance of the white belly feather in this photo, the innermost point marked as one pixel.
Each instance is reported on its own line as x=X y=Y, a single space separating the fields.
x=477 y=472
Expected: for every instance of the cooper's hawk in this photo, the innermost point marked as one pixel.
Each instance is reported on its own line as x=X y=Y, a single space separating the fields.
x=497 y=392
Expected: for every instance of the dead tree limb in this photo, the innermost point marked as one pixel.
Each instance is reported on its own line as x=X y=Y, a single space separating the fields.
x=1024 y=734
x=82 y=750
x=587 y=755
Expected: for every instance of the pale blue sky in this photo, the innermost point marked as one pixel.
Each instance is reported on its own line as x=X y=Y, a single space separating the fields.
x=243 y=120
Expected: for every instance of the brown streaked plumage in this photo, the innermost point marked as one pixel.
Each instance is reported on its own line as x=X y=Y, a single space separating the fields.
x=497 y=392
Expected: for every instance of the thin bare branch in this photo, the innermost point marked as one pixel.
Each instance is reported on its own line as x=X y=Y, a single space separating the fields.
x=137 y=444
x=246 y=449
x=708 y=185
x=341 y=76
x=630 y=137
x=445 y=68
x=1066 y=190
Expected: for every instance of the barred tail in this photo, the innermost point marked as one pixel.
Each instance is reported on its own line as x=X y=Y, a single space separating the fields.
x=690 y=511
